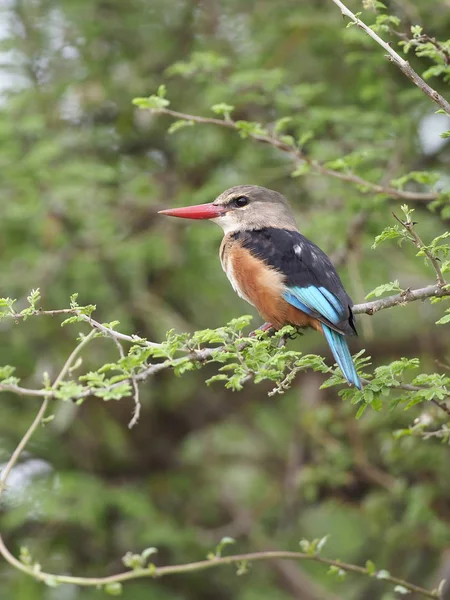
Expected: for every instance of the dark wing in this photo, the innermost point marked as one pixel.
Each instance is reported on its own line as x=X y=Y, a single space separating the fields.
x=311 y=280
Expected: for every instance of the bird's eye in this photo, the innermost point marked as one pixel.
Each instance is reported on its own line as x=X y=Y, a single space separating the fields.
x=241 y=201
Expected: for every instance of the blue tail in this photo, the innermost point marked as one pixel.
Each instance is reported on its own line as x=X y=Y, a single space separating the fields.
x=342 y=355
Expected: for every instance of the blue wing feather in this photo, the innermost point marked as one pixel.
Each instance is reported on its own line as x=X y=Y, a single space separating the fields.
x=316 y=301
x=292 y=299
x=333 y=300
x=321 y=301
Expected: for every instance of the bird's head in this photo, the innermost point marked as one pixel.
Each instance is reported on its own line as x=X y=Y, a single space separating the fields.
x=243 y=207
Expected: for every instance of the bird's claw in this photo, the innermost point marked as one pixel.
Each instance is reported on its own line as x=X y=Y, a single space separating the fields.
x=264 y=328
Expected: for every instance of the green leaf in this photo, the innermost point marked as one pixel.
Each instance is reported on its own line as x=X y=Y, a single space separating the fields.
x=225 y=541
x=321 y=544
x=305 y=137
x=243 y=567
x=223 y=109
x=281 y=124
x=383 y=574
x=400 y=589
x=51 y=581
x=149 y=552
x=302 y=169
x=361 y=410
x=337 y=572
x=393 y=286
x=25 y=556
x=445 y=319
x=370 y=566
x=180 y=124
x=423 y=177
x=113 y=589
x=152 y=102
x=250 y=129
x=390 y=233
x=305 y=545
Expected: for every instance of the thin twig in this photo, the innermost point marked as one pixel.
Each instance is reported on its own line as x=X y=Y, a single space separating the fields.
x=423 y=39
x=202 y=565
x=394 y=57
x=301 y=158
x=137 y=403
x=21 y=446
x=107 y=331
x=444 y=407
x=37 y=420
x=417 y=241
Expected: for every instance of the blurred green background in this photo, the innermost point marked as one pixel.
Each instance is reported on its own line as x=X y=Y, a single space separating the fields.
x=83 y=173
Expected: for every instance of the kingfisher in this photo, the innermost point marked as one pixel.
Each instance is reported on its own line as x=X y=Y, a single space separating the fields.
x=271 y=265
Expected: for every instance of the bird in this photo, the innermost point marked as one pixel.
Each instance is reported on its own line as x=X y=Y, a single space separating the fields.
x=271 y=265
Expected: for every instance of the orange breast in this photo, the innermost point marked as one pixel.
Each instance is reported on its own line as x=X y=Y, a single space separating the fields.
x=263 y=287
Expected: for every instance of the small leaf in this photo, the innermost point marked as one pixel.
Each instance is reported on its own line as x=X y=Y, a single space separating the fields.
x=337 y=572
x=225 y=541
x=149 y=552
x=113 y=589
x=223 y=109
x=383 y=574
x=243 y=567
x=302 y=169
x=393 y=286
x=321 y=543
x=281 y=124
x=51 y=581
x=370 y=566
x=25 y=556
x=400 y=589
x=180 y=124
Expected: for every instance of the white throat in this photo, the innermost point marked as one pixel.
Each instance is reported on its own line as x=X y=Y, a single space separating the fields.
x=227 y=223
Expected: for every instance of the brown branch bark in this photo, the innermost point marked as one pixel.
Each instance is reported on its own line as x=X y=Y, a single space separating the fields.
x=431 y=291
x=301 y=158
x=395 y=58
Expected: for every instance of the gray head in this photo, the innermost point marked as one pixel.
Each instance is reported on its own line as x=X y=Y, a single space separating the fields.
x=253 y=207
x=242 y=207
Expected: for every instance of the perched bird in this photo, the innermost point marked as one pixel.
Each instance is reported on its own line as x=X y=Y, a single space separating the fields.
x=289 y=280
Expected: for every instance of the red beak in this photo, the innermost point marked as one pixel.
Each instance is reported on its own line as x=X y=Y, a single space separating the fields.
x=201 y=211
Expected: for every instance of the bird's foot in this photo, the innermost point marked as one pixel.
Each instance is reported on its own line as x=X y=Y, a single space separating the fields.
x=289 y=336
x=264 y=328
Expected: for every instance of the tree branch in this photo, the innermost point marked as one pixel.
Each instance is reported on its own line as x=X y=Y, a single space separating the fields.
x=300 y=158
x=417 y=241
x=202 y=565
x=107 y=331
x=204 y=354
x=431 y=291
x=37 y=420
x=394 y=57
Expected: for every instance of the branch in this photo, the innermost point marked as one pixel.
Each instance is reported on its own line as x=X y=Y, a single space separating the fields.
x=431 y=291
x=402 y=64
x=300 y=158
x=202 y=565
x=417 y=241
x=37 y=420
x=203 y=355
x=107 y=331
